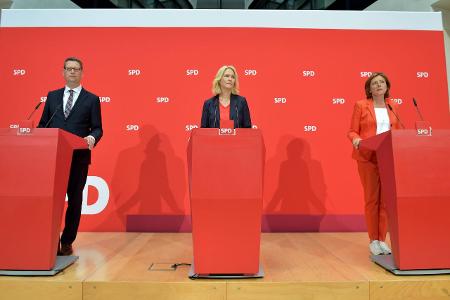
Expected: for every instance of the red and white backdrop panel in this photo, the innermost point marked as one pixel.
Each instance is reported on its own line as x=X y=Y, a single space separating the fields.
x=300 y=83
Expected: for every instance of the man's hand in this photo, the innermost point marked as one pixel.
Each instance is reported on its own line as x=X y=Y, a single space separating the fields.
x=90 y=141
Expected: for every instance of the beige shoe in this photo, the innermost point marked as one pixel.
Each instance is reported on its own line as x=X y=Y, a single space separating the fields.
x=375 y=248
x=385 y=248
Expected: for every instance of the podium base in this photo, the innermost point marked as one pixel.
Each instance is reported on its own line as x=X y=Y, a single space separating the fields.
x=61 y=263
x=193 y=275
x=387 y=262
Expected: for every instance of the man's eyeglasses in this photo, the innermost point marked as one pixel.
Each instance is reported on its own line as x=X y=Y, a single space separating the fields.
x=72 y=69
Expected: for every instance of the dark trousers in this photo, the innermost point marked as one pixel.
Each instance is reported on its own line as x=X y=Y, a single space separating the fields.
x=77 y=181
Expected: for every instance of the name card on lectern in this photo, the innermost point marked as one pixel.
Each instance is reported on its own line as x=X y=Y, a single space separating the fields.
x=25 y=127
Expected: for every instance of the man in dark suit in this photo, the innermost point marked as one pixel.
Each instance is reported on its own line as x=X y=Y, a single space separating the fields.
x=77 y=111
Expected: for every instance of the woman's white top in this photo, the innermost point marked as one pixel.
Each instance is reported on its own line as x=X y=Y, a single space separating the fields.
x=383 y=122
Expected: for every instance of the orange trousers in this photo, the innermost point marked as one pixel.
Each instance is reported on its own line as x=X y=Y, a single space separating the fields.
x=375 y=207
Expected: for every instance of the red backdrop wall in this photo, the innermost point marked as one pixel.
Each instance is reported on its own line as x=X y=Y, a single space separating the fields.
x=300 y=84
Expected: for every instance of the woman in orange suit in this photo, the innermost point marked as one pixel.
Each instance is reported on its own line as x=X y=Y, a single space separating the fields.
x=373 y=116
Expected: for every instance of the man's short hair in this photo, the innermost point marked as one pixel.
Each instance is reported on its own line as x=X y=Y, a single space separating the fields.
x=73 y=59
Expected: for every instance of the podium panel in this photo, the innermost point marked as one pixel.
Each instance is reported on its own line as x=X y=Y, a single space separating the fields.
x=415 y=179
x=226 y=188
x=34 y=171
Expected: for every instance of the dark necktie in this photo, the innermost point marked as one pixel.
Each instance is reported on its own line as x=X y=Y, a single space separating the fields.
x=68 y=104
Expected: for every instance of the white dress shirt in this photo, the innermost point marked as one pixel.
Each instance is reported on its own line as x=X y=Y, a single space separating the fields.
x=383 y=122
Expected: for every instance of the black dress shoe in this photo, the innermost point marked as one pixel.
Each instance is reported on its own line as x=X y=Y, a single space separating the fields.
x=65 y=250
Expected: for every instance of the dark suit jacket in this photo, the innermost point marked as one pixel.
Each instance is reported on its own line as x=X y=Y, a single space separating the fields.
x=84 y=119
x=239 y=112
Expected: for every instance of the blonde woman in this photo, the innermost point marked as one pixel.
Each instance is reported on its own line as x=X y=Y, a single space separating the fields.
x=226 y=104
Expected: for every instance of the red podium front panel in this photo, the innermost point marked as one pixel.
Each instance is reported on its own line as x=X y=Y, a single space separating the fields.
x=34 y=171
x=415 y=179
x=226 y=189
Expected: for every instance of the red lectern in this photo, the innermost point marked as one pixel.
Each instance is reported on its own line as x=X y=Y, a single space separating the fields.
x=34 y=171
x=415 y=180
x=226 y=190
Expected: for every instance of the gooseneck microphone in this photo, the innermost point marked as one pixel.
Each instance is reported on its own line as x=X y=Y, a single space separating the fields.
x=398 y=119
x=35 y=109
x=51 y=118
x=417 y=109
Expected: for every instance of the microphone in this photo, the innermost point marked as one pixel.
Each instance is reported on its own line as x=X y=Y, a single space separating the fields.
x=35 y=109
x=417 y=109
x=51 y=118
x=398 y=119
x=237 y=114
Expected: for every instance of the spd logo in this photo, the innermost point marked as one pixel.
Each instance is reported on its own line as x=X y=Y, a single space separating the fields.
x=227 y=131
x=424 y=131
x=162 y=99
x=310 y=128
x=132 y=127
x=24 y=130
x=134 y=72
x=422 y=75
x=338 y=101
x=19 y=72
x=103 y=196
x=192 y=72
x=279 y=100
x=189 y=127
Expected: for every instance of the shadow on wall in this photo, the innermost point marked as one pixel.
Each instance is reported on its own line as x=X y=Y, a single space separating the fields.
x=149 y=187
x=300 y=189
x=148 y=179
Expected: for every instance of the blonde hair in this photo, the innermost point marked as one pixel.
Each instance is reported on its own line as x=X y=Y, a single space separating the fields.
x=216 y=82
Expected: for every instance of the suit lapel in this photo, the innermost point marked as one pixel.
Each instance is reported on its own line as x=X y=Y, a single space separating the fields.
x=233 y=103
x=370 y=108
x=60 y=101
x=216 y=110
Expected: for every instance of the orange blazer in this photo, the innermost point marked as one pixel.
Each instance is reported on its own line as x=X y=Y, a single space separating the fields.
x=364 y=125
